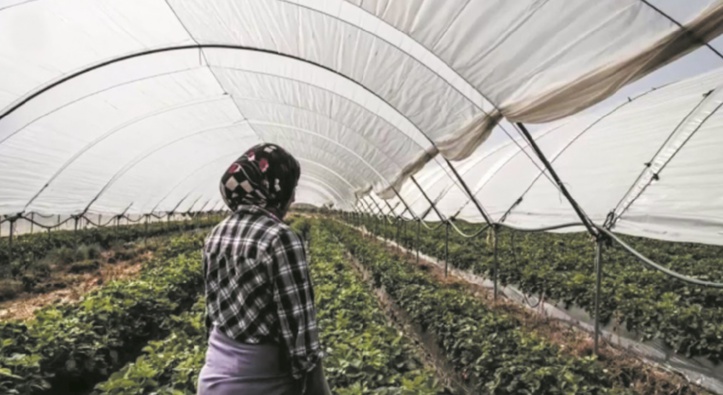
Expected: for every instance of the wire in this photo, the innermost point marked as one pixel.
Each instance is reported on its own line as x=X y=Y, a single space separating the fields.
x=543 y=229
x=461 y=233
x=98 y=225
x=655 y=265
x=439 y=225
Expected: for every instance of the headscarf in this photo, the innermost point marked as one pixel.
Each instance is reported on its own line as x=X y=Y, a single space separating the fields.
x=265 y=176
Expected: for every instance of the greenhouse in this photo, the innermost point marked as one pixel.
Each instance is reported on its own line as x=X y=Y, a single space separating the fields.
x=495 y=197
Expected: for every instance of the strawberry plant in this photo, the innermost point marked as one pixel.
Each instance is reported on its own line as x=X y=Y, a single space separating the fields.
x=364 y=354
x=29 y=248
x=68 y=348
x=492 y=352
x=687 y=318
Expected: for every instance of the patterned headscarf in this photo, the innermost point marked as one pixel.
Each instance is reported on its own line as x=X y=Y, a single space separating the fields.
x=265 y=176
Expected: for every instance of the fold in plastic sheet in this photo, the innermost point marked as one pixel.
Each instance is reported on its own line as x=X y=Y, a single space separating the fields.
x=535 y=73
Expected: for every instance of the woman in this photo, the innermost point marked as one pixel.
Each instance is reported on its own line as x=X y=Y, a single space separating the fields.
x=259 y=297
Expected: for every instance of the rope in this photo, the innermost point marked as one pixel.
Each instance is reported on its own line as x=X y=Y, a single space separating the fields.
x=515 y=204
x=130 y=220
x=432 y=229
x=98 y=225
x=461 y=233
x=539 y=300
x=543 y=229
x=46 y=226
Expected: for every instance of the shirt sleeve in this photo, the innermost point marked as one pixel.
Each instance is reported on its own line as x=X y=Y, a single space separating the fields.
x=294 y=299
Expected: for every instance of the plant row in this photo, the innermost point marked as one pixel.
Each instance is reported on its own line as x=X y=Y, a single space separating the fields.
x=364 y=354
x=491 y=351
x=68 y=348
x=167 y=366
x=28 y=248
x=687 y=318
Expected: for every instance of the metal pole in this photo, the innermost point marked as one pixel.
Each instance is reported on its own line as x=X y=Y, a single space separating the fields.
x=399 y=228
x=598 y=284
x=32 y=222
x=404 y=232
x=446 y=248
x=75 y=230
x=414 y=180
x=10 y=239
x=583 y=217
x=469 y=193
x=496 y=262
x=419 y=222
x=381 y=212
x=406 y=206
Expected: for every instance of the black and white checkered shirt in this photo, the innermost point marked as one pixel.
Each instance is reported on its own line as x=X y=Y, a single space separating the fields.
x=258 y=287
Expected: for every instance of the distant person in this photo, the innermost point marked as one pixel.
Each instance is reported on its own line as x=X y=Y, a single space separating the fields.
x=259 y=299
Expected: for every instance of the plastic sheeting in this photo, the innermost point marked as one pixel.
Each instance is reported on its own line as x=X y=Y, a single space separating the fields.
x=139 y=105
x=652 y=164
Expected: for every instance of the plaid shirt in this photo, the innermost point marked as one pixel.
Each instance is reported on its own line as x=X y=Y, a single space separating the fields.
x=258 y=286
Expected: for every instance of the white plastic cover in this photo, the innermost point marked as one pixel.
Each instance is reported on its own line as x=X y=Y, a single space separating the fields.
x=139 y=105
x=652 y=164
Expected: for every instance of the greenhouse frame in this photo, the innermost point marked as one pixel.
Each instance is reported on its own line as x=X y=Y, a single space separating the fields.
x=596 y=117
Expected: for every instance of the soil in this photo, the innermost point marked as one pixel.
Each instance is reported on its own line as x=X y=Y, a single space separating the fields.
x=427 y=349
x=72 y=286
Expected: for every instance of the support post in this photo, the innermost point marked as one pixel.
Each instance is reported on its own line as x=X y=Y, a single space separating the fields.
x=399 y=228
x=404 y=232
x=75 y=230
x=10 y=238
x=598 y=286
x=419 y=222
x=32 y=222
x=496 y=261
x=434 y=207
x=583 y=217
x=446 y=248
x=469 y=193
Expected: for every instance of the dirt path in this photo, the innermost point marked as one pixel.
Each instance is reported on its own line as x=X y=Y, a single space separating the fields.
x=25 y=305
x=426 y=345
